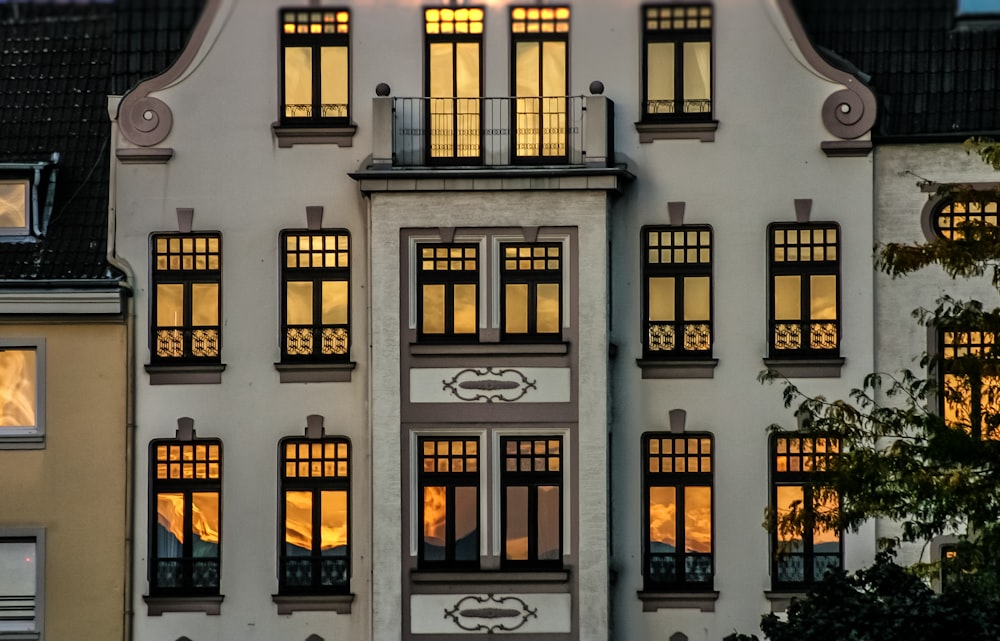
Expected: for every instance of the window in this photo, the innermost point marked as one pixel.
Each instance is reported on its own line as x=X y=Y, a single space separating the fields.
x=314 y=556
x=969 y=381
x=677 y=270
x=448 y=500
x=950 y=215
x=805 y=290
x=539 y=38
x=677 y=480
x=22 y=574
x=315 y=281
x=978 y=8
x=185 y=522
x=802 y=556
x=15 y=214
x=22 y=384
x=315 y=64
x=186 y=298
x=531 y=502
x=448 y=286
x=530 y=286
x=453 y=59
x=677 y=62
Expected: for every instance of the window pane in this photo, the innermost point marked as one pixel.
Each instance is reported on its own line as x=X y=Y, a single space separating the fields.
x=660 y=77
x=787 y=298
x=553 y=69
x=298 y=523
x=441 y=66
x=548 y=308
x=526 y=82
x=13 y=204
x=433 y=309
x=467 y=69
x=548 y=523
x=698 y=519
x=299 y=303
x=787 y=496
x=823 y=297
x=298 y=81
x=697 y=74
x=18 y=588
x=466 y=524
x=333 y=91
x=18 y=387
x=333 y=522
x=662 y=519
x=516 y=534
x=825 y=541
x=170 y=305
x=696 y=298
x=435 y=515
x=335 y=302
x=205 y=304
x=205 y=523
x=169 y=524
x=661 y=299
x=465 y=309
x=516 y=312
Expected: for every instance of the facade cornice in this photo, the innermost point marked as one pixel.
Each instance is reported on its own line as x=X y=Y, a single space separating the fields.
x=62 y=301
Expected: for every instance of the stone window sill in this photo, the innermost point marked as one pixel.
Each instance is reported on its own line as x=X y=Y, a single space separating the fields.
x=157 y=605
x=653 y=368
x=339 y=603
x=703 y=131
x=806 y=367
x=653 y=601
x=25 y=442
x=488 y=576
x=185 y=374
x=315 y=372
x=290 y=136
x=488 y=349
x=780 y=599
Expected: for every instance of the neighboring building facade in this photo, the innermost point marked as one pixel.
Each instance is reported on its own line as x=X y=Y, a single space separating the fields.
x=449 y=346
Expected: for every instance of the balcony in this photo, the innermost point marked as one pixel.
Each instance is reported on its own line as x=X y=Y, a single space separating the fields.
x=510 y=134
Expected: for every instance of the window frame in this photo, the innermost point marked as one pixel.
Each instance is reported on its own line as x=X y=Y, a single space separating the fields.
x=187 y=278
x=450 y=480
x=340 y=333
x=532 y=479
x=679 y=38
x=680 y=272
x=679 y=481
x=316 y=486
x=33 y=436
x=983 y=350
x=187 y=487
x=943 y=211
x=532 y=278
x=35 y=535
x=806 y=480
x=805 y=271
x=315 y=42
x=449 y=279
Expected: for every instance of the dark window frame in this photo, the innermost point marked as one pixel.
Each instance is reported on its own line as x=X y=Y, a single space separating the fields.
x=186 y=487
x=806 y=479
x=679 y=481
x=186 y=278
x=532 y=479
x=804 y=270
x=316 y=561
x=532 y=278
x=450 y=480
x=678 y=37
x=338 y=334
x=679 y=272
x=943 y=217
x=315 y=41
x=449 y=278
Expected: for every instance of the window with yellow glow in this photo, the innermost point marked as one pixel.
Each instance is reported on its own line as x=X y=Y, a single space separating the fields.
x=540 y=82
x=185 y=522
x=804 y=300
x=448 y=291
x=969 y=381
x=453 y=58
x=677 y=473
x=448 y=502
x=315 y=66
x=677 y=270
x=531 y=291
x=186 y=298
x=948 y=217
x=802 y=555
x=15 y=214
x=315 y=309
x=314 y=551
x=22 y=404
x=677 y=62
x=531 y=501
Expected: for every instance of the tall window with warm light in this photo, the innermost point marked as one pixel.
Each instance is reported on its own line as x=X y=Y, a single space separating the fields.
x=531 y=291
x=453 y=56
x=677 y=62
x=531 y=502
x=448 y=502
x=539 y=82
x=448 y=291
x=315 y=66
x=677 y=272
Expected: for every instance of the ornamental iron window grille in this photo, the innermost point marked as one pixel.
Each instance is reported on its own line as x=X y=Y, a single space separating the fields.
x=677 y=62
x=315 y=66
x=531 y=502
x=186 y=298
x=448 y=502
x=531 y=291
x=677 y=272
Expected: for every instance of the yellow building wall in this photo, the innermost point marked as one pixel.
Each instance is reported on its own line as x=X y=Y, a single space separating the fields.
x=75 y=486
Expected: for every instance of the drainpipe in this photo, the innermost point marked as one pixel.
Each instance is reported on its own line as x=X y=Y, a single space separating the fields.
x=128 y=288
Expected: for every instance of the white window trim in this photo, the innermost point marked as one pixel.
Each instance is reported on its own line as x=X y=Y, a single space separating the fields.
x=38 y=534
x=28 y=437
x=497 y=240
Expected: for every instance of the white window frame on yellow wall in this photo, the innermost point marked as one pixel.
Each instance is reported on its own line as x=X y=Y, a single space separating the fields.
x=22 y=393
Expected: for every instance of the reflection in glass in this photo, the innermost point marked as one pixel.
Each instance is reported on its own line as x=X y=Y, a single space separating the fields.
x=466 y=523
x=433 y=309
x=696 y=298
x=516 y=301
x=18 y=571
x=435 y=523
x=18 y=387
x=465 y=309
x=205 y=304
x=787 y=298
x=697 y=76
x=548 y=523
x=662 y=519
x=516 y=534
x=823 y=297
x=13 y=204
x=333 y=87
x=298 y=82
x=548 y=308
x=660 y=77
x=698 y=519
x=298 y=523
x=790 y=497
x=661 y=298
x=169 y=305
x=299 y=301
x=334 y=302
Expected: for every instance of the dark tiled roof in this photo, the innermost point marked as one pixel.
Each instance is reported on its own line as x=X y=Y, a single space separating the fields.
x=58 y=64
x=935 y=76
